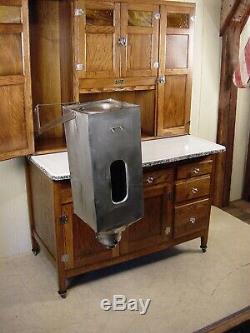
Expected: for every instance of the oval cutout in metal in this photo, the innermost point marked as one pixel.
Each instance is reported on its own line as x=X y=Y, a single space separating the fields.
x=118 y=174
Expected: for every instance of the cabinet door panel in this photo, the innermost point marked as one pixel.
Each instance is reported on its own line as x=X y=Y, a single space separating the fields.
x=156 y=226
x=80 y=242
x=174 y=90
x=16 y=123
x=140 y=28
x=96 y=39
x=174 y=102
x=12 y=114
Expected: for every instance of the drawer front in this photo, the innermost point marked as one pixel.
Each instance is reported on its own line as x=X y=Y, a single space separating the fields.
x=191 y=217
x=192 y=188
x=195 y=169
x=153 y=178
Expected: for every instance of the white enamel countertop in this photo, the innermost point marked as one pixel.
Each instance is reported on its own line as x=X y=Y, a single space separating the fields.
x=154 y=152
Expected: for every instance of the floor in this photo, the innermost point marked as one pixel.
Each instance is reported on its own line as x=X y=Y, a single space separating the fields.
x=188 y=289
x=239 y=209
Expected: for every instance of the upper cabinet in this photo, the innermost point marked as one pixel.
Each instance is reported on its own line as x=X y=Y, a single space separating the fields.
x=130 y=50
x=97 y=31
x=16 y=124
x=175 y=74
x=139 y=40
x=115 y=40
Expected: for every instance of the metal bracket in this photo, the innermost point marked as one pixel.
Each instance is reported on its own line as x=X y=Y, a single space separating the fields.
x=78 y=12
x=63 y=219
x=65 y=258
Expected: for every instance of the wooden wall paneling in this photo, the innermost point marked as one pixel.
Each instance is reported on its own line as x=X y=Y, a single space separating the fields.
x=96 y=39
x=16 y=133
x=175 y=74
x=140 y=28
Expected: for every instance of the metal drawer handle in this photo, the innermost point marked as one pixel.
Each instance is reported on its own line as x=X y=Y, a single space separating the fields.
x=192 y=220
x=150 y=180
x=195 y=190
x=195 y=171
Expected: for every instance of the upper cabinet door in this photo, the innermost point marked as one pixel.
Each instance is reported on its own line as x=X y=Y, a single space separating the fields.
x=16 y=123
x=139 y=39
x=97 y=30
x=175 y=73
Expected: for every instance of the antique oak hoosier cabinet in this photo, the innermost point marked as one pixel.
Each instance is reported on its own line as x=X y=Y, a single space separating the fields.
x=76 y=51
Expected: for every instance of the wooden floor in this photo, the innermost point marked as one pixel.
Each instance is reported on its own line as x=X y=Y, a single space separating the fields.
x=239 y=209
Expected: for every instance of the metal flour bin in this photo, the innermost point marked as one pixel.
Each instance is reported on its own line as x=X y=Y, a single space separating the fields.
x=104 y=150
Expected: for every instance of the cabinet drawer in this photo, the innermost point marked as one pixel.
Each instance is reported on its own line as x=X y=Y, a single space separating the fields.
x=191 y=217
x=192 y=188
x=195 y=169
x=152 y=178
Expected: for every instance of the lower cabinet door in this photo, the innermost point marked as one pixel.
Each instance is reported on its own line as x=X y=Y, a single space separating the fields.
x=80 y=242
x=156 y=226
x=191 y=217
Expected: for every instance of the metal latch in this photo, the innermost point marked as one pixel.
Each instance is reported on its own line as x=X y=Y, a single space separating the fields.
x=162 y=79
x=79 y=12
x=123 y=41
x=64 y=219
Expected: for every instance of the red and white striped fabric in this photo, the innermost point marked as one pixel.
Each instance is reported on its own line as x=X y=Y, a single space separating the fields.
x=241 y=76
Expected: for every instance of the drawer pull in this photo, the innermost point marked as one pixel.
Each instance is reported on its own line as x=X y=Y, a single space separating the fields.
x=195 y=171
x=192 y=220
x=195 y=190
x=150 y=180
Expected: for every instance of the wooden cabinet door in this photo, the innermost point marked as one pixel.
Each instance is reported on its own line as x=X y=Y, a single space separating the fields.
x=81 y=245
x=97 y=30
x=139 y=43
x=175 y=73
x=16 y=123
x=156 y=226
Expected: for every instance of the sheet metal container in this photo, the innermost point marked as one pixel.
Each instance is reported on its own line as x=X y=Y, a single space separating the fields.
x=104 y=149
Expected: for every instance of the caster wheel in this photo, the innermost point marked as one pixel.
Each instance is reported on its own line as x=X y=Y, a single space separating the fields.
x=204 y=249
x=63 y=294
x=36 y=251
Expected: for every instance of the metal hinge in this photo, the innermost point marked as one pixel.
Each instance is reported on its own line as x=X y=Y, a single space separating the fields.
x=63 y=219
x=79 y=67
x=78 y=12
x=156 y=64
x=65 y=258
x=167 y=230
x=157 y=16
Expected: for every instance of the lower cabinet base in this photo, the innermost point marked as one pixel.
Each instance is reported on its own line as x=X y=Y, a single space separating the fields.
x=177 y=200
x=64 y=275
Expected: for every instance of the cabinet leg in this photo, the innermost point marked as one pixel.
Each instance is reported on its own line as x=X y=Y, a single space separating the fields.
x=204 y=243
x=63 y=284
x=35 y=246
